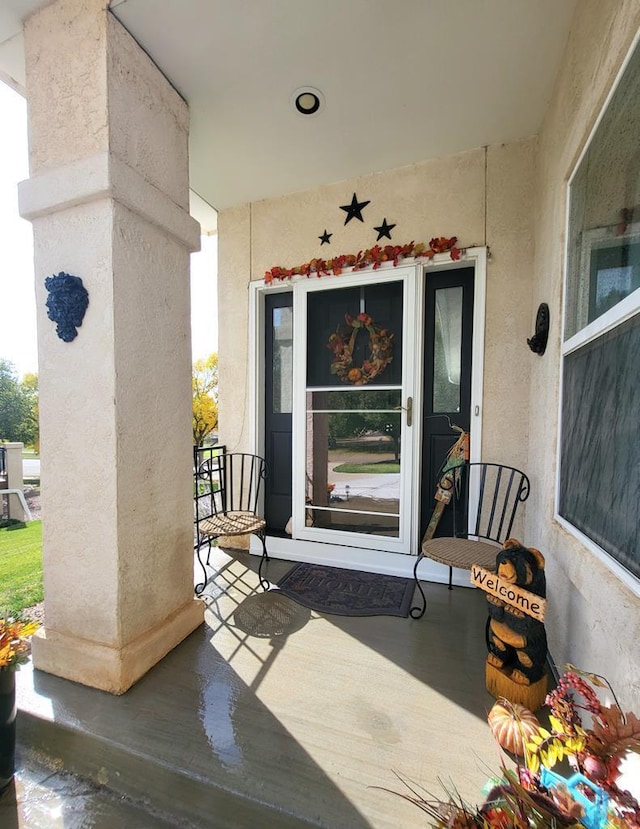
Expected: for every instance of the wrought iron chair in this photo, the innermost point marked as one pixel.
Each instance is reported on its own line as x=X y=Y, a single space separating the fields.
x=234 y=480
x=484 y=503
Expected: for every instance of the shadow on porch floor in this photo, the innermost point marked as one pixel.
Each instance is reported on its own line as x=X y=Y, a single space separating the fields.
x=274 y=715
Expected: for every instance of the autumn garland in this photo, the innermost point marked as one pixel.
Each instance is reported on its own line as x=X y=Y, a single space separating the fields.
x=343 y=342
x=373 y=257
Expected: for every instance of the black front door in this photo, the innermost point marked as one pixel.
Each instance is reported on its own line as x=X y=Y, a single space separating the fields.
x=447 y=378
x=278 y=408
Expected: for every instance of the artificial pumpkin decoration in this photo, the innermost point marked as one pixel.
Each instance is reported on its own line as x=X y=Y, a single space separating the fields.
x=512 y=725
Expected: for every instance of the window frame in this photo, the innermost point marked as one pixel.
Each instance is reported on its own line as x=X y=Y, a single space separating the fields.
x=624 y=310
x=595 y=241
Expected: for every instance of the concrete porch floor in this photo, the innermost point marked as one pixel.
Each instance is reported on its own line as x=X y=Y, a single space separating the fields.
x=272 y=715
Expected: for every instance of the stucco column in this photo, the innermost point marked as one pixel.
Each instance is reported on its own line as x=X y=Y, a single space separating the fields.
x=108 y=199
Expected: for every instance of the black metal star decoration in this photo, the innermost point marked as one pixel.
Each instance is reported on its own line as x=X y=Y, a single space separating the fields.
x=354 y=210
x=384 y=230
x=325 y=239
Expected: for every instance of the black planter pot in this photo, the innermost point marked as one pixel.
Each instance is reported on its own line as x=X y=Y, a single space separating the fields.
x=7 y=726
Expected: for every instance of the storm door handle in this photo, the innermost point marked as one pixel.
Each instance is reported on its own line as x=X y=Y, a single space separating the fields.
x=408 y=409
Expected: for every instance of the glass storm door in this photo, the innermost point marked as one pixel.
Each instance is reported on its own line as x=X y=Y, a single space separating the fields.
x=352 y=412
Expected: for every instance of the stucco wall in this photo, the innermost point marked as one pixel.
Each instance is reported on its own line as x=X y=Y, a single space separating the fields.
x=510 y=318
x=444 y=197
x=593 y=620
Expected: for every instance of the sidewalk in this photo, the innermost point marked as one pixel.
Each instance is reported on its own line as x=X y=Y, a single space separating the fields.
x=32 y=497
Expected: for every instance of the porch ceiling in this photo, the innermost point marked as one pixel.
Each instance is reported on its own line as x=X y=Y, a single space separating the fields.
x=403 y=82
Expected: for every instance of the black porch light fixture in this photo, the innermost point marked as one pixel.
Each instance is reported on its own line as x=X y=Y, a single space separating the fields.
x=307 y=100
x=538 y=343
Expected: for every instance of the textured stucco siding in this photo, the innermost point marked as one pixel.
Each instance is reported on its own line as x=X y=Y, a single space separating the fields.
x=445 y=197
x=593 y=619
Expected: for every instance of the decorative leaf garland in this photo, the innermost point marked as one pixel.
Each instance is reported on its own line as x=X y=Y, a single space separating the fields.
x=343 y=342
x=373 y=257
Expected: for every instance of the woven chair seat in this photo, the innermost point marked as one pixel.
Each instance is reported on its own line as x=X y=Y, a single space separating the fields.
x=485 y=499
x=232 y=523
x=461 y=552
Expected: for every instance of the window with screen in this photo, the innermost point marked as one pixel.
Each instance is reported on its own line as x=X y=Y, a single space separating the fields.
x=599 y=484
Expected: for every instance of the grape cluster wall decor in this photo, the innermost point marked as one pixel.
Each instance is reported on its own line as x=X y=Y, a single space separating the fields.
x=67 y=303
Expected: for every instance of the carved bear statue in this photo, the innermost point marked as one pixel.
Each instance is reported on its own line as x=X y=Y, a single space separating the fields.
x=517 y=642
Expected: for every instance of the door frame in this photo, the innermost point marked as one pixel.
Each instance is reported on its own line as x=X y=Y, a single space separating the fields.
x=403 y=543
x=376 y=561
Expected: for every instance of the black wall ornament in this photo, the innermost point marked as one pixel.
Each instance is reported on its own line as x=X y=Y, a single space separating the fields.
x=384 y=230
x=354 y=210
x=538 y=343
x=67 y=303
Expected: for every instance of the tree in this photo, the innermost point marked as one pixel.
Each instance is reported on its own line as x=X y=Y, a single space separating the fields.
x=205 y=398
x=17 y=419
x=353 y=424
x=29 y=387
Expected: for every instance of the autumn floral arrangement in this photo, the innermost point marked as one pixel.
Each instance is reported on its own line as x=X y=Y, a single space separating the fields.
x=342 y=344
x=372 y=258
x=595 y=739
x=587 y=740
x=15 y=642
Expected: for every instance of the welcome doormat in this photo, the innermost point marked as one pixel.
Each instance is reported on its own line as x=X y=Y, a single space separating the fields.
x=347 y=592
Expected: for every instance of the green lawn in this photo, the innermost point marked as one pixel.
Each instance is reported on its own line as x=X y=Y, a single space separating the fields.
x=20 y=567
x=378 y=467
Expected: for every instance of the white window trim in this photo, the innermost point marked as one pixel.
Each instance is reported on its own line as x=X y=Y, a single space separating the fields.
x=614 y=317
x=593 y=240
x=612 y=564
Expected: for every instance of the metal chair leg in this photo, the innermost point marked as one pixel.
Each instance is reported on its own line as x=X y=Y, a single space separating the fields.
x=417 y=612
x=209 y=551
x=201 y=585
x=264 y=584
x=450 y=578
